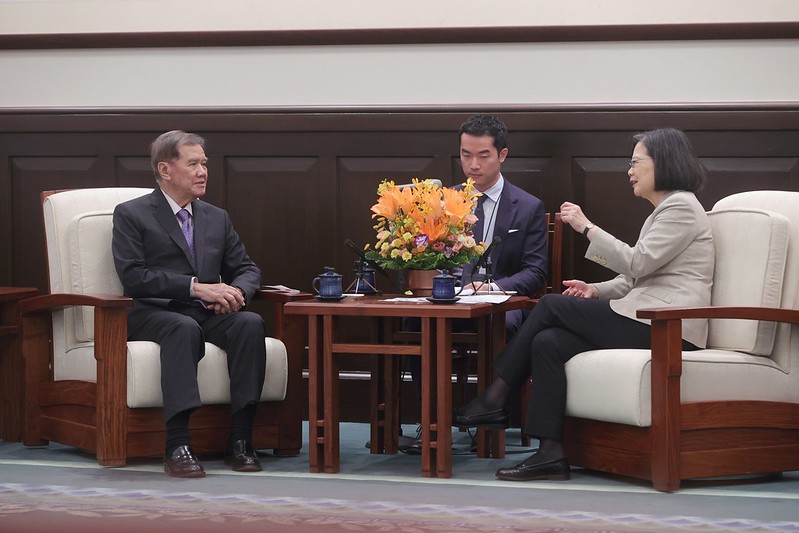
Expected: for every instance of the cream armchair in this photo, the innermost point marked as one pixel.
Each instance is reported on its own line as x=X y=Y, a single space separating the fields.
x=98 y=392
x=730 y=409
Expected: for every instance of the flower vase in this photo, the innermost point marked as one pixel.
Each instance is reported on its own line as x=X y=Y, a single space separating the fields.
x=420 y=282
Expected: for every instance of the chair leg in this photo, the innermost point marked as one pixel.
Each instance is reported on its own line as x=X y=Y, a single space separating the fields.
x=524 y=397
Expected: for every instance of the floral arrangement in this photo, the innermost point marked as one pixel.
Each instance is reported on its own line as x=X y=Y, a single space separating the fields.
x=424 y=227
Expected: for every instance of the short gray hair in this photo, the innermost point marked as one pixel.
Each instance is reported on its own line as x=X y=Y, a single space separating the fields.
x=167 y=147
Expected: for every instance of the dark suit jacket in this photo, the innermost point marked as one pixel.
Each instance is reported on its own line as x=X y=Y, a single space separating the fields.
x=520 y=259
x=153 y=260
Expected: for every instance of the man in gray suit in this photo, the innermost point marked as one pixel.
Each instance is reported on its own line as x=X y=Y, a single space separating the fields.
x=184 y=265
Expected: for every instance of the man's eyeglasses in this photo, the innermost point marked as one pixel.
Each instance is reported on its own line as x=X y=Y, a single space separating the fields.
x=634 y=162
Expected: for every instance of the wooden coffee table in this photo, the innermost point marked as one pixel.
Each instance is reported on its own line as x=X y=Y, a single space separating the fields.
x=435 y=350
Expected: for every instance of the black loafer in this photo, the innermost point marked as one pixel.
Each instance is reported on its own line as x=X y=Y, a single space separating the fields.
x=182 y=463
x=496 y=419
x=557 y=470
x=242 y=458
x=414 y=448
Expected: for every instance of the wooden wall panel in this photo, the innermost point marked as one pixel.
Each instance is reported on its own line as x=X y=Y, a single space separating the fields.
x=274 y=205
x=133 y=172
x=30 y=176
x=736 y=174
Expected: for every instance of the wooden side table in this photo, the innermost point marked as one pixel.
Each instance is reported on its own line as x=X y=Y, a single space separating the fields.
x=11 y=364
x=435 y=351
x=291 y=330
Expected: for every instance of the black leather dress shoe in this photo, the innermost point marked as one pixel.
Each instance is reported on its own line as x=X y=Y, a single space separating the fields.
x=182 y=463
x=414 y=448
x=557 y=470
x=496 y=419
x=242 y=458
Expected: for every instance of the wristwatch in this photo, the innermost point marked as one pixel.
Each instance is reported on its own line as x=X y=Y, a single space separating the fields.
x=588 y=228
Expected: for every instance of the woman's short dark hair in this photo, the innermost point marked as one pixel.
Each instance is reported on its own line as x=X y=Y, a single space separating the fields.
x=676 y=166
x=479 y=125
x=167 y=147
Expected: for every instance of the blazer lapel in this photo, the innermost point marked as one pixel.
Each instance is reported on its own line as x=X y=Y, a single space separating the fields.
x=163 y=213
x=200 y=225
x=505 y=215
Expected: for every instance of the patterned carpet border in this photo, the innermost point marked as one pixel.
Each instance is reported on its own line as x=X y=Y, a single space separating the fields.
x=236 y=510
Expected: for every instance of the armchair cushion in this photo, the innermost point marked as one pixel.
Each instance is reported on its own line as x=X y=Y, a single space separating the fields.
x=616 y=385
x=751 y=245
x=91 y=265
x=144 y=372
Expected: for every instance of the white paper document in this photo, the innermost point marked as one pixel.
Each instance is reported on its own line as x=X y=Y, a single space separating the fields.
x=481 y=298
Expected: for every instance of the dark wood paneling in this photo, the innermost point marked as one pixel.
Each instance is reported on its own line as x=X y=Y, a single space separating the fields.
x=297 y=183
x=30 y=176
x=134 y=171
x=274 y=205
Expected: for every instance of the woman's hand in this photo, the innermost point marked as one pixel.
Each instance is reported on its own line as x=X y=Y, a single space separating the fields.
x=573 y=215
x=580 y=289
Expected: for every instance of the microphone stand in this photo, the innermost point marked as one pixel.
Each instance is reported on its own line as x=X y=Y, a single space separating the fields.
x=361 y=283
x=380 y=270
x=485 y=261
x=489 y=279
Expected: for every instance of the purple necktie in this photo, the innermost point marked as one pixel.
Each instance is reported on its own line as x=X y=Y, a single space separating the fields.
x=188 y=230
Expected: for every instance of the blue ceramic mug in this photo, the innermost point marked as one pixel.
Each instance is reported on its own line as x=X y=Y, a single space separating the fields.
x=444 y=287
x=328 y=285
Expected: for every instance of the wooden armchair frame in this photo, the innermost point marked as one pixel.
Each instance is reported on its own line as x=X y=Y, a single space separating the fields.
x=696 y=439
x=94 y=416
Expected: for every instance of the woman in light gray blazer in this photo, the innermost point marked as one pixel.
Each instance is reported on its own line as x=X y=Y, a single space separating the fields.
x=671 y=265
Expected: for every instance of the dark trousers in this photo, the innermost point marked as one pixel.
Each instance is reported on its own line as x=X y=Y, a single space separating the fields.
x=182 y=330
x=558 y=328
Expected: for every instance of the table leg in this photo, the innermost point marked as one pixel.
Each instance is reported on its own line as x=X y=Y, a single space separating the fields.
x=384 y=387
x=484 y=359
x=316 y=435
x=443 y=421
x=496 y=342
x=428 y=397
x=331 y=403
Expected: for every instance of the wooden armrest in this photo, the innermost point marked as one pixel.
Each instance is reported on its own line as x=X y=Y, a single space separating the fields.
x=281 y=296
x=771 y=314
x=51 y=302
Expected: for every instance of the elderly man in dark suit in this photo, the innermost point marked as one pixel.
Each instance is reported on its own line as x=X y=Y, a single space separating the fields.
x=181 y=261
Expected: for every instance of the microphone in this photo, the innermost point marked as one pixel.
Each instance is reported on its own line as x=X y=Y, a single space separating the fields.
x=435 y=182
x=372 y=264
x=484 y=258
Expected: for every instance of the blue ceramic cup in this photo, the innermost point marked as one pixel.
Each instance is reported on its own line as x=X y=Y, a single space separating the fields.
x=328 y=285
x=444 y=287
